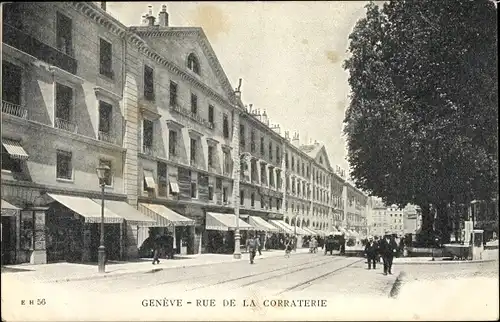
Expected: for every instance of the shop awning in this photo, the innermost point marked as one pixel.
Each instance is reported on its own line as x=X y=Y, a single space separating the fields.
x=127 y=212
x=311 y=232
x=9 y=209
x=282 y=226
x=261 y=224
x=164 y=216
x=14 y=149
x=225 y=222
x=148 y=177
x=303 y=232
x=87 y=208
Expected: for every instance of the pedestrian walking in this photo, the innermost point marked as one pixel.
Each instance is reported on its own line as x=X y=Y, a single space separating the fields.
x=388 y=248
x=156 y=249
x=371 y=249
x=252 y=246
x=288 y=247
x=259 y=248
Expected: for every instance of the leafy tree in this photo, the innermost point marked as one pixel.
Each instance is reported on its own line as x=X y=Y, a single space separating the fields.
x=422 y=121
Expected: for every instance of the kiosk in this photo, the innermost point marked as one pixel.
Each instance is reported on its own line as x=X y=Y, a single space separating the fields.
x=477 y=244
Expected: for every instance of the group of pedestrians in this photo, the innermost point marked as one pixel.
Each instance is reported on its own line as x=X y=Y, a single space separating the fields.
x=163 y=243
x=253 y=245
x=384 y=248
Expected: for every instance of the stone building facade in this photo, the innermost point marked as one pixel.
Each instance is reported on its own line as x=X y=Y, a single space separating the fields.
x=152 y=103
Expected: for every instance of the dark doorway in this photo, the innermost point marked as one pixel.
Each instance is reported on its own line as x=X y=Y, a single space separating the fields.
x=111 y=241
x=8 y=240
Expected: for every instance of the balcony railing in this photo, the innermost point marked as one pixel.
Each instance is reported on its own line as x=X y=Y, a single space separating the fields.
x=191 y=115
x=34 y=47
x=13 y=109
x=106 y=137
x=149 y=150
x=66 y=125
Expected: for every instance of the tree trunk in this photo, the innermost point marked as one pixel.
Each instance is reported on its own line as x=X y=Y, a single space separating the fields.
x=425 y=235
x=443 y=223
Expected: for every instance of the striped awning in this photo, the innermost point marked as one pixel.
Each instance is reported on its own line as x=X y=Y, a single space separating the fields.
x=164 y=216
x=14 y=149
x=6 y=205
x=261 y=224
x=311 y=231
x=282 y=226
x=87 y=208
x=149 y=178
x=129 y=213
x=225 y=222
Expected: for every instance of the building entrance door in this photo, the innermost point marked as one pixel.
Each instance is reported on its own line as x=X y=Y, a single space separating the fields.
x=8 y=240
x=111 y=241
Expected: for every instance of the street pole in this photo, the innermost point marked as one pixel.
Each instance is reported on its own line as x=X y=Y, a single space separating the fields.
x=236 y=174
x=101 y=253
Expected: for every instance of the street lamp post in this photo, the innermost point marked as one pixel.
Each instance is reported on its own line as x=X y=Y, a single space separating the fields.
x=101 y=252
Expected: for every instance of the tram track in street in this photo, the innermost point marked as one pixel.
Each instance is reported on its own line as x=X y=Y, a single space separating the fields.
x=308 y=266
x=309 y=282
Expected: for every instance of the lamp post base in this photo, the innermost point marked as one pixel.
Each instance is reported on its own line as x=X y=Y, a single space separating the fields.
x=101 y=259
x=237 y=245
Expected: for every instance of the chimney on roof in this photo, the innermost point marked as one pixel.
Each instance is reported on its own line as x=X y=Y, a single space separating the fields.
x=287 y=135
x=103 y=5
x=150 y=18
x=237 y=90
x=250 y=108
x=316 y=142
x=296 y=140
x=265 y=119
x=163 y=16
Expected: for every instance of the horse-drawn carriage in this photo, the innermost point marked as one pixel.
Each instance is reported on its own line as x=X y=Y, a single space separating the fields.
x=333 y=242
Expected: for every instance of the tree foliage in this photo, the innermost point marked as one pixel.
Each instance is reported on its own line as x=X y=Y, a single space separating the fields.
x=421 y=126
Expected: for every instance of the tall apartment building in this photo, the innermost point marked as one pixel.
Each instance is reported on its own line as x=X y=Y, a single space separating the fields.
x=152 y=103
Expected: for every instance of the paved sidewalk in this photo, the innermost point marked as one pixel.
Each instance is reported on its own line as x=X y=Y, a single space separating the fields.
x=488 y=256
x=62 y=272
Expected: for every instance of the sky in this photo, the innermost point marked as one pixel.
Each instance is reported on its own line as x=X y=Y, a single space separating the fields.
x=289 y=55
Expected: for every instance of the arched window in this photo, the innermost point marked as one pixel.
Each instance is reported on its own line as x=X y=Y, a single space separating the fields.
x=193 y=63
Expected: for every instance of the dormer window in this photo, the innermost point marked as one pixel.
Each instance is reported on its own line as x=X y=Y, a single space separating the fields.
x=193 y=63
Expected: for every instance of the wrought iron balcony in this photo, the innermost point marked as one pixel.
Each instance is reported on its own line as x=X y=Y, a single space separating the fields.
x=66 y=125
x=14 y=109
x=192 y=116
x=149 y=150
x=106 y=137
x=34 y=47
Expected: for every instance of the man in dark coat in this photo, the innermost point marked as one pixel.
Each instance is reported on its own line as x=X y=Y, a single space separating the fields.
x=371 y=249
x=388 y=248
x=156 y=249
x=169 y=247
x=342 y=244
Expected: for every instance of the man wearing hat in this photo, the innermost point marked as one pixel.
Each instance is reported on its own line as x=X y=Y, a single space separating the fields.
x=388 y=248
x=371 y=249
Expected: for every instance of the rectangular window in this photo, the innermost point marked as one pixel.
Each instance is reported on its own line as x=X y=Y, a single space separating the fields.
x=224 y=195
x=286 y=160
x=105 y=58
x=193 y=151
x=271 y=177
x=149 y=88
x=252 y=199
x=278 y=156
x=252 y=141
x=242 y=197
x=271 y=151
x=64 y=165
x=227 y=163
x=211 y=193
x=218 y=184
x=13 y=14
x=278 y=179
x=64 y=100
x=162 y=179
x=27 y=230
x=172 y=143
x=194 y=190
x=242 y=135
x=64 y=34
x=262 y=148
x=105 y=117
x=11 y=84
x=211 y=118
x=9 y=163
x=210 y=156
x=147 y=135
x=194 y=104
x=263 y=173
x=173 y=94
x=225 y=125
x=108 y=179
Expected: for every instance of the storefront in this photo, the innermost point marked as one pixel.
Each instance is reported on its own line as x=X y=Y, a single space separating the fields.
x=220 y=231
x=73 y=230
x=265 y=229
x=167 y=222
x=10 y=215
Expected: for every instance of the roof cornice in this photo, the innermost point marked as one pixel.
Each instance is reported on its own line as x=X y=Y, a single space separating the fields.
x=104 y=19
x=161 y=32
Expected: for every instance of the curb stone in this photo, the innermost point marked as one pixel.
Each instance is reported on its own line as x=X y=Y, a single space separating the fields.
x=429 y=262
x=143 y=271
x=396 y=287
